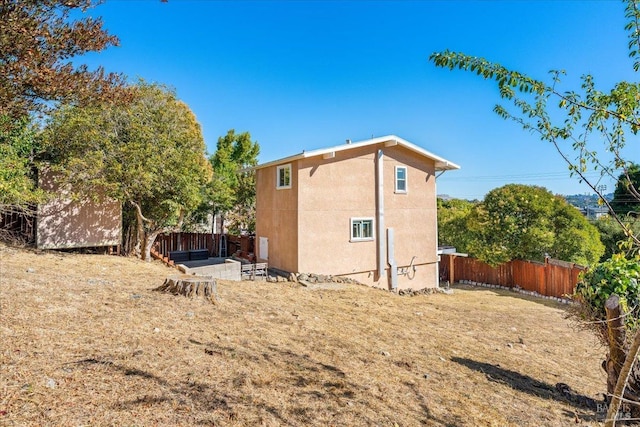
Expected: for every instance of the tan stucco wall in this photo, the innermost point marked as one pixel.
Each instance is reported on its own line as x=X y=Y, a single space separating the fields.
x=276 y=219
x=332 y=191
x=65 y=223
x=327 y=193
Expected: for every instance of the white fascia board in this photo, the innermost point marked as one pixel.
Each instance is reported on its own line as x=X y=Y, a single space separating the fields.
x=441 y=163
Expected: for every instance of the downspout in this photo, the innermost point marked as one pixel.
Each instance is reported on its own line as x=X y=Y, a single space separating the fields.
x=435 y=185
x=381 y=253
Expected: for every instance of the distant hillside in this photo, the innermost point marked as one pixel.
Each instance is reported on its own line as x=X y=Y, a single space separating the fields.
x=586 y=200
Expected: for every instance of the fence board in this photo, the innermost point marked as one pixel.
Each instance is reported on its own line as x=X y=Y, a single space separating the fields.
x=555 y=278
x=169 y=242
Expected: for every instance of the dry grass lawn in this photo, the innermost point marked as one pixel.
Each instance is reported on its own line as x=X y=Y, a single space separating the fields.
x=86 y=342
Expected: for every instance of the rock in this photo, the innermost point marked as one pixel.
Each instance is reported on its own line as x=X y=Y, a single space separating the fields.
x=135 y=296
x=385 y=353
x=509 y=345
x=31 y=270
x=521 y=340
x=303 y=276
x=156 y=330
x=293 y=278
x=190 y=314
x=425 y=376
x=51 y=383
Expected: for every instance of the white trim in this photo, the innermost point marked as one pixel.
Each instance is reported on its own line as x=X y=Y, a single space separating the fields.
x=361 y=239
x=406 y=180
x=441 y=163
x=278 y=169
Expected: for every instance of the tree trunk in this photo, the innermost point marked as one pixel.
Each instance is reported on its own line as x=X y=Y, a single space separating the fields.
x=627 y=384
x=149 y=240
x=191 y=286
x=617 y=342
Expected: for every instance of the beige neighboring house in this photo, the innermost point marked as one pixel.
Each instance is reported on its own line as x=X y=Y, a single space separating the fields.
x=364 y=210
x=64 y=223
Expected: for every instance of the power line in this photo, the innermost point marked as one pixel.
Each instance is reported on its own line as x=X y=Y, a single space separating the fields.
x=519 y=177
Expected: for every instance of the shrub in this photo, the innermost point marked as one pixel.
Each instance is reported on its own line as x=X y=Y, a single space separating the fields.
x=617 y=275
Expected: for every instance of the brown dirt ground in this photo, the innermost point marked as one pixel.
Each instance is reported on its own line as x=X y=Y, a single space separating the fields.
x=86 y=342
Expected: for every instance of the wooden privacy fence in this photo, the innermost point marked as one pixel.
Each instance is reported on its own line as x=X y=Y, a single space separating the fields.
x=553 y=278
x=170 y=242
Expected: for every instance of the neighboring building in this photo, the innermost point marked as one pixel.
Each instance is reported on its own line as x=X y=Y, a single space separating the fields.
x=63 y=222
x=366 y=210
x=595 y=212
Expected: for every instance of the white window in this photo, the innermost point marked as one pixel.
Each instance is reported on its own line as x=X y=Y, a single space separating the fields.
x=401 y=179
x=283 y=176
x=361 y=229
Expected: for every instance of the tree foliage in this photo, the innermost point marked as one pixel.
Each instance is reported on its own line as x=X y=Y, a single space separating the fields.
x=589 y=128
x=38 y=42
x=453 y=215
x=150 y=154
x=519 y=222
x=626 y=200
x=570 y=120
x=617 y=275
x=18 y=146
x=528 y=222
x=233 y=183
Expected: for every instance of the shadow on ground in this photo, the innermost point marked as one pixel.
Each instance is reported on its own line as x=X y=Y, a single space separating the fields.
x=526 y=384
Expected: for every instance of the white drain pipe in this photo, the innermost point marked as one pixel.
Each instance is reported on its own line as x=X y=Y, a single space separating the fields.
x=380 y=215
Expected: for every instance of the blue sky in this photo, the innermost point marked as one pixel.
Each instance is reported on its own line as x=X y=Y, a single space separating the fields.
x=302 y=75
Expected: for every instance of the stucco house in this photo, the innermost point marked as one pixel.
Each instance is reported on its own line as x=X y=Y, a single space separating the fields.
x=365 y=210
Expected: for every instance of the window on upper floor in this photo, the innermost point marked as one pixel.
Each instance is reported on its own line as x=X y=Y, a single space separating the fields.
x=361 y=229
x=283 y=176
x=401 y=179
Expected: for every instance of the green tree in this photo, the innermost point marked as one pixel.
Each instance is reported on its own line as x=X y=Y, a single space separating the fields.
x=575 y=238
x=39 y=42
x=18 y=145
x=573 y=121
x=613 y=236
x=453 y=217
x=39 y=47
x=573 y=117
x=150 y=154
x=233 y=181
x=528 y=222
x=626 y=199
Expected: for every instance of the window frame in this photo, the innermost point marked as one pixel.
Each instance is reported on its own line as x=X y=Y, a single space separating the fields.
x=278 y=169
x=354 y=220
x=406 y=179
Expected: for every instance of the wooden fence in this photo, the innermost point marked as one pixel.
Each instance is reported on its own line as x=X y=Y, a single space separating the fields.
x=170 y=242
x=552 y=278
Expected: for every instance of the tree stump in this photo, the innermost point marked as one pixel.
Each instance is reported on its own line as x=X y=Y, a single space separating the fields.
x=191 y=286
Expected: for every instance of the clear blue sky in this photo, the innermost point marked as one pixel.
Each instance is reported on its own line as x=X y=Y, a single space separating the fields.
x=302 y=75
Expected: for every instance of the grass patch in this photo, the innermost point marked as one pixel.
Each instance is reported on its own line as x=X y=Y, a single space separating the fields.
x=85 y=341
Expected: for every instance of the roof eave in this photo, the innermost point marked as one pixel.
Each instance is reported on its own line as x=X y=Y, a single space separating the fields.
x=441 y=163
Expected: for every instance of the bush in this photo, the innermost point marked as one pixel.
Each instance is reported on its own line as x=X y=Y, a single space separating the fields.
x=617 y=275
